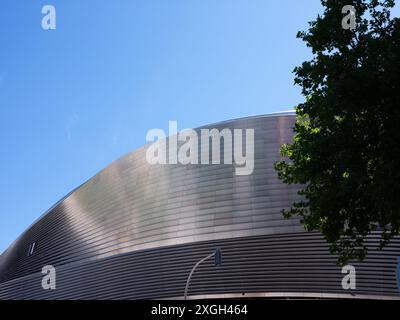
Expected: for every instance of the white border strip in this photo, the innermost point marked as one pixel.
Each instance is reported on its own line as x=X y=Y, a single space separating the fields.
x=286 y=295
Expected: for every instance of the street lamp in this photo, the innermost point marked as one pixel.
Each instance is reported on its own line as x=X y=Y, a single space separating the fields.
x=217 y=262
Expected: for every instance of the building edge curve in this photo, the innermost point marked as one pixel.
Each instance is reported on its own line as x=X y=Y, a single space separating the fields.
x=134 y=231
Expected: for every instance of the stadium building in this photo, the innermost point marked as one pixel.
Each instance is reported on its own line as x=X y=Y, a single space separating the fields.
x=135 y=230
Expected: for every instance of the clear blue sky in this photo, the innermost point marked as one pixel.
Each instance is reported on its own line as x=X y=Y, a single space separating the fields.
x=74 y=99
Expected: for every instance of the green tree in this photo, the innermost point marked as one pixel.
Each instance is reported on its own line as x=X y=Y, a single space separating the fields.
x=346 y=149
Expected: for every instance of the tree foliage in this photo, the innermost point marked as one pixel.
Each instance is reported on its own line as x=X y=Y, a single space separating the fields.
x=346 y=149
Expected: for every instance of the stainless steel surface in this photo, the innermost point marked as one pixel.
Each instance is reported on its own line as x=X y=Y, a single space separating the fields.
x=276 y=264
x=132 y=205
x=135 y=230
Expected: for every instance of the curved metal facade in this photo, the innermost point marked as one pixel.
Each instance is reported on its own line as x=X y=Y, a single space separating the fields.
x=135 y=230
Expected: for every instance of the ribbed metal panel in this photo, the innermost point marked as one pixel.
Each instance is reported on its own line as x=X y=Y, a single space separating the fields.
x=296 y=263
x=134 y=231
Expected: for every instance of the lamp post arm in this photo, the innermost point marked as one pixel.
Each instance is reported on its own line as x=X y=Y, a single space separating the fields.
x=191 y=272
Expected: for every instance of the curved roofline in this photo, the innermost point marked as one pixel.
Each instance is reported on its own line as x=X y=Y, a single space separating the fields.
x=268 y=115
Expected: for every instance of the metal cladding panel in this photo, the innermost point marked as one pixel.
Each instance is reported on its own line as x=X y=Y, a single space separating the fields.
x=289 y=264
x=132 y=208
